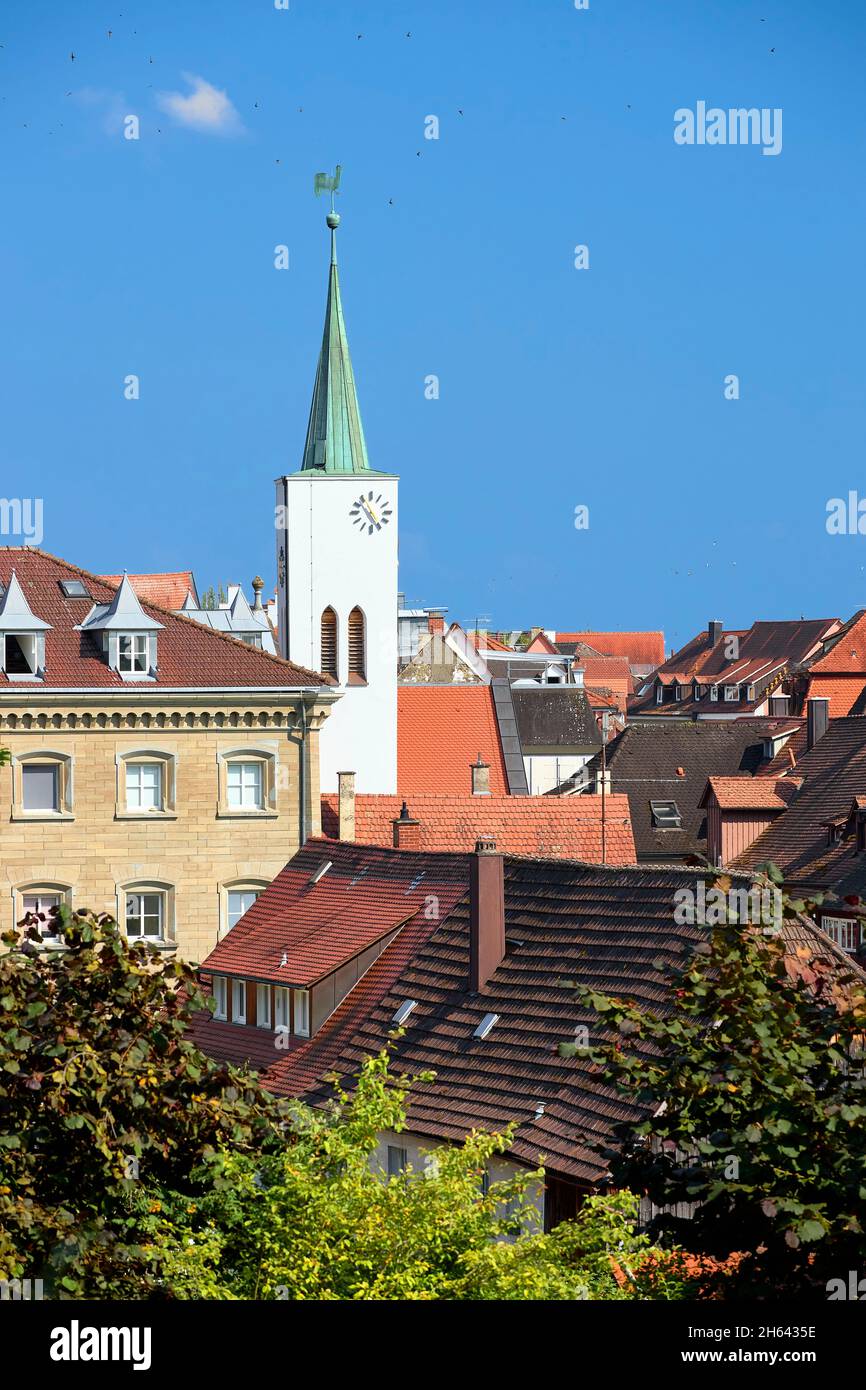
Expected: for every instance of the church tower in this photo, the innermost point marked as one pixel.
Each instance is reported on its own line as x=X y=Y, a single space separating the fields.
x=336 y=538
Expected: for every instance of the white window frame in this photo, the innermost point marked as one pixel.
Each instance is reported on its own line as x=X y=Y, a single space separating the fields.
x=842 y=931
x=714 y=692
x=248 y=773
x=139 y=649
x=239 y=1001
x=267 y=759
x=220 y=994
x=166 y=892
x=732 y=694
x=141 y=894
x=660 y=693
x=236 y=885
x=38 y=889
x=135 y=772
x=263 y=1007
x=282 y=1005
x=125 y=758
x=301 y=1008
x=397 y=1160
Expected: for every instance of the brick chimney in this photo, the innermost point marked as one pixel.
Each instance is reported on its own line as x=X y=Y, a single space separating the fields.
x=715 y=628
x=258 y=585
x=346 y=805
x=407 y=832
x=480 y=777
x=817 y=720
x=486 y=913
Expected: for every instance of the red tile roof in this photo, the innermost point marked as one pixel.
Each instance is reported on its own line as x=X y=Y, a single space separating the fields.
x=189 y=654
x=748 y=793
x=843 y=692
x=542 y=643
x=847 y=656
x=165 y=590
x=441 y=729
x=546 y=827
x=376 y=876
x=639 y=648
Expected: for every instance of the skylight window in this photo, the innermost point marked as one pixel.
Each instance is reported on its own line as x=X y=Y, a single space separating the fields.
x=666 y=815
x=321 y=871
x=74 y=588
x=416 y=881
x=486 y=1025
x=404 y=1011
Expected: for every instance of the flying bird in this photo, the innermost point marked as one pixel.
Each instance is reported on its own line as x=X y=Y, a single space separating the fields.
x=72 y=57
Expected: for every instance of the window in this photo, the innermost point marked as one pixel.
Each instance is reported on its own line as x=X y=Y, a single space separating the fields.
x=74 y=588
x=845 y=931
x=145 y=915
x=263 y=1006
x=240 y=900
x=239 y=1001
x=666 y=815
x=43 y=904
x=132 y=653
x=248 y=779
x=144 y=787
x=281 y=1010
x=252 y=639
x=660 y=693
x=750 y=692
x=732 y=692
x=714 y=692
x=357 y=647
x=40 y=784
x=244 y=781
x=329 y=644
x=398 y=1160
x=301 y=1003
x=219 y=994
x=20 y=654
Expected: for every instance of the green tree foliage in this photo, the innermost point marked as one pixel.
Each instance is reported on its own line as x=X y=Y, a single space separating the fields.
x=133 y=1167
x=103 y=1104
x=753 y=1084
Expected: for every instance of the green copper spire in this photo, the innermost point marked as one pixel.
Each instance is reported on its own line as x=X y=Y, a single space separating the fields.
x=335 y=435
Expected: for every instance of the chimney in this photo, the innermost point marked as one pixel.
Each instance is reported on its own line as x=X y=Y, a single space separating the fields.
x=486 y=913
x=407 y=832
x=435 y=623
x=579 y=672
x=602 y=780
x=480 y=778
x=346 y=805
x=817 y=720
x=714 y=631
x=258 y=585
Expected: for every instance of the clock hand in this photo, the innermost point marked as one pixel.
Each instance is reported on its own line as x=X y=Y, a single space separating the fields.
x=368 y=508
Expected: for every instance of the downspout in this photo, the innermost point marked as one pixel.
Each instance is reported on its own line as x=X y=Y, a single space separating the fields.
x=302 y=774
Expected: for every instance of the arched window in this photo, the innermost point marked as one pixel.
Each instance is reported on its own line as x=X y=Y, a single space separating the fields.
x=357 y=647
x=329 y=643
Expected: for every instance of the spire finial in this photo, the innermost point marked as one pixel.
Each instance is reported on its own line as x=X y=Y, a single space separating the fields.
x=330 y=183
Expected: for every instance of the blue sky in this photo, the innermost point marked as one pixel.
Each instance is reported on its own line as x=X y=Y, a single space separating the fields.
x=558 y=387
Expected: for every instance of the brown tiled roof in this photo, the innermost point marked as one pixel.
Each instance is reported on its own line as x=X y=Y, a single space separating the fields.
x=834 y=773
x=605 y=928
x=165 y=590
x=441 y=729
x=643 y=762
x=544 y=826
x=189 y=654
x=843 y=692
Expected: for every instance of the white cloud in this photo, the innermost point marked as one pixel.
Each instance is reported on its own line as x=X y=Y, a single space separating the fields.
x=205 y=108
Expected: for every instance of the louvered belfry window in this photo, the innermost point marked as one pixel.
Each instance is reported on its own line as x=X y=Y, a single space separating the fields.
x=329 y=643
x=357 y=646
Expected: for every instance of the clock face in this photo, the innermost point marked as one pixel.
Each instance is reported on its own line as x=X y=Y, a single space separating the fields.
x=370 y=512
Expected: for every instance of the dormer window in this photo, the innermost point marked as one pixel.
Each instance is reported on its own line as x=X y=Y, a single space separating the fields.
x=128 y=634
x=732 y=692
x=132 y=653
x=22 y=635
x=714 y=692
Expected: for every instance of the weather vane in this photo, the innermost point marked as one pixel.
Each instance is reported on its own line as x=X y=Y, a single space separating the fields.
x=327 y=183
